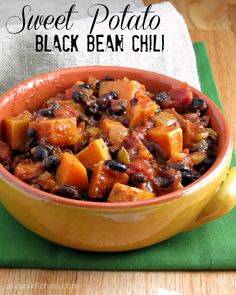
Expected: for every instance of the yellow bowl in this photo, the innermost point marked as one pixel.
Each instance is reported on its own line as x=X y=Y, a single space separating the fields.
x=115 y=226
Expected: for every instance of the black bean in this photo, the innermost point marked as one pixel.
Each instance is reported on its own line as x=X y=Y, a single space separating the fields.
x=208 y=162
x=133 y=101
x=156 y=150
x=114 y=95
x=97 y=116
x=163 y=181
x=118 y=109
x=49 y=112
x=115 y=165
x=198 y=104
x=188 y=176
x=78 y=96
x=40 y=153
x=91 y=109
x=161 y=97
x=68 y=191
x=46 y=112
x=51 y=163
x=107 y=78
x=104 y=101
x=85 y=85
x=205 y=164
x=125 y=122
x=138 y=178
x=166 y=182
x=31 y=133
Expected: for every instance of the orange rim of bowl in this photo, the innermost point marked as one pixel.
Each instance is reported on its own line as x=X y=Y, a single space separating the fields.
x=226 y=148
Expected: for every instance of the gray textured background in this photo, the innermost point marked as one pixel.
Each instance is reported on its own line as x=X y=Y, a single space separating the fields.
x=19 y=60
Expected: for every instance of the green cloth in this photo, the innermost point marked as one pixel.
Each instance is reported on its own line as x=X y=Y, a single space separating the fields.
x=213 y=246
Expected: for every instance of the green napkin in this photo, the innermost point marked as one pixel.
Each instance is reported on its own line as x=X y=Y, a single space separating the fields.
x=213 y=246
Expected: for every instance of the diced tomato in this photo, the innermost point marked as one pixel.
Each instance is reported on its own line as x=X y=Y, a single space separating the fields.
x=181 y=96
x=136 y=148
x=143 y=166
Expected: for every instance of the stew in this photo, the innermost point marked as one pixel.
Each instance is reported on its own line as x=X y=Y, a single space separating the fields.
x=111 y=140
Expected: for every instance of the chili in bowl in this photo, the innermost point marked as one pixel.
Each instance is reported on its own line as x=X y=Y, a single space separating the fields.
x=113 y=158
x=111 y=140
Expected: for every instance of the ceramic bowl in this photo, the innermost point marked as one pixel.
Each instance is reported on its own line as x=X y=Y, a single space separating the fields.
x=115 y=226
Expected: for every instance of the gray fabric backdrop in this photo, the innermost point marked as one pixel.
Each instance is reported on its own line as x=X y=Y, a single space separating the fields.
x=9 y=8
x=19 y=59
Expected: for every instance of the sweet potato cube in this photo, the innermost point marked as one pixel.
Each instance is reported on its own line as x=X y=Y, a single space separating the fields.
x=16 y=128
x=126 y=193
x=59 y=131
x=169 y=138
x=115 y=131
x=141 y=109
x=72 y=172
x=103 y=179
x=106 y=125
x=95 y=152
x=125 y=88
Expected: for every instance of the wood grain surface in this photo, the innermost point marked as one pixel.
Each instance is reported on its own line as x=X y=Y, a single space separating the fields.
x=216 y=26
x=42 y=282
x=204 y=14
